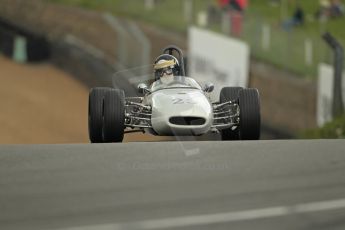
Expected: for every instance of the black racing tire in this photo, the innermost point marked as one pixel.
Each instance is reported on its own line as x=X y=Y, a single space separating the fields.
x=229 y=94
x=114 y=116
x=250 y=118
x=96 y=96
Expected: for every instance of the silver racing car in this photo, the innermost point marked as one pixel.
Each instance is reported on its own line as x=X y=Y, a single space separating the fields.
x=174 y=105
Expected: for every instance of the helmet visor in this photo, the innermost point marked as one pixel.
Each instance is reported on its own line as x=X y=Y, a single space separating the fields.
x=166 y=70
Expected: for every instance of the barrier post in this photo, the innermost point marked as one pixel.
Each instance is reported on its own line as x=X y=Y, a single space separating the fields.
x=19 y=49
x=338 y=105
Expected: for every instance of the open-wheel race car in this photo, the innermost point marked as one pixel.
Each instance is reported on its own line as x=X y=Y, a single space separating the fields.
x=173 y=105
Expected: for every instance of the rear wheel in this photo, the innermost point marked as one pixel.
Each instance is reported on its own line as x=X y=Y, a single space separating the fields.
x=114 y=116
x=230 y=94
x=250 y=119
x=96 y=96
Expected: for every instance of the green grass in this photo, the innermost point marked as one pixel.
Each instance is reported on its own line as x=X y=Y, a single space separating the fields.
x=286 y=50
x=312 y=26
x=334 y=129
x=168 y=13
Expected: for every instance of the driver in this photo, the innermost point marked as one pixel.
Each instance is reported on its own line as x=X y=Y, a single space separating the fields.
x=165 y=68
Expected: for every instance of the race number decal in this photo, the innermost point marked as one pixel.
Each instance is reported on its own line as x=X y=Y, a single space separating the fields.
x=183 y=101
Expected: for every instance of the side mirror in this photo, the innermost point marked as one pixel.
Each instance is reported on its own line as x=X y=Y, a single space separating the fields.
x=142 y=88
x=208 y=87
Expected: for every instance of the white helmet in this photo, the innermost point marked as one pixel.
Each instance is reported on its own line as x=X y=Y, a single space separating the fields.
x=166 y=64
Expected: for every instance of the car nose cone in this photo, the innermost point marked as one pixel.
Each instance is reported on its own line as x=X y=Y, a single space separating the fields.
x=181 y=112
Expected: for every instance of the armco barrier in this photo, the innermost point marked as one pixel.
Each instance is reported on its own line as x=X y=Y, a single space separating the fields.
x=36 y=46
x=88 y=65
x=6 y=42
x=54 y=21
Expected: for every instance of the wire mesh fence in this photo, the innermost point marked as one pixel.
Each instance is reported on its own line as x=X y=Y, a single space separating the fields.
x=292 y=49
x=296 y=49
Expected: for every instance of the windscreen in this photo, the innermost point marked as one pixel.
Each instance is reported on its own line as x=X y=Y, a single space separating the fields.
x=144 y=74
x=134 y=76
x=175 y=82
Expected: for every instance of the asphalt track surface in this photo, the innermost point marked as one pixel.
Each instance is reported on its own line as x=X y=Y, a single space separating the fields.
x=174 y=185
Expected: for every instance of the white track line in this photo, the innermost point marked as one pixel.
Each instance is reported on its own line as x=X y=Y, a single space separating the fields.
x=176 y=222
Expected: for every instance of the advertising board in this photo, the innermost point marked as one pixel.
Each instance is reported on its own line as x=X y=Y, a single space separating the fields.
x=219 y=59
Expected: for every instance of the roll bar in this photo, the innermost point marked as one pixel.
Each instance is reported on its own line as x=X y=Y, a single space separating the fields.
x=170 y=50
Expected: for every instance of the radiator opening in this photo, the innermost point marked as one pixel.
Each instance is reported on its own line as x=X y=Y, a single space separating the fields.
x=187 y=120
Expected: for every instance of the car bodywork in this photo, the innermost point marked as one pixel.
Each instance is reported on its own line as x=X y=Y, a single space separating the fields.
x=180 y=108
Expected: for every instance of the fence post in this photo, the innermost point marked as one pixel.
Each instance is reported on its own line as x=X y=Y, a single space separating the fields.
x=188 y=11
x=266 y=37
x=144 y=42
x=226 y=23
x=122 y=48
x=283 y=10
x=338 y=105
x=308 y=49
x=149 y=4
x=202 y=19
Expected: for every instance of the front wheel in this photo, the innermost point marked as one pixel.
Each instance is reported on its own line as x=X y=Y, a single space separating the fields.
x=230 y=94
x=114 y=116
x=250 y=119
x=95 y=114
